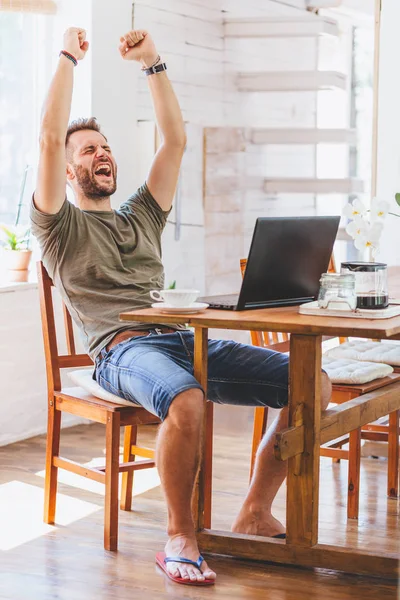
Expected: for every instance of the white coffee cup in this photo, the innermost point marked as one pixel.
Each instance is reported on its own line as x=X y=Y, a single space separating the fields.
x=175 y=297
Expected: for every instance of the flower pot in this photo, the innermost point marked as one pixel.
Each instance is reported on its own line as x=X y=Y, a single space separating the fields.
x=17 y=264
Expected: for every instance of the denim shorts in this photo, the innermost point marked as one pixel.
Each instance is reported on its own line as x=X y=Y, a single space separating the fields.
x=151 y=370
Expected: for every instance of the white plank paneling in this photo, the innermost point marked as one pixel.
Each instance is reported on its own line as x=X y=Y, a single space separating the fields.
x=278 y=54
x=254 y=8
x=291 y=81
x=178 y=23
x=313 y=186
x=310 y=26
x=204 y=11
x=303 y=136
x=162 y=32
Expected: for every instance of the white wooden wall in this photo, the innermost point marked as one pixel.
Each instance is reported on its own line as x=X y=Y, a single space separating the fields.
x=203 y=68
x=189 y=36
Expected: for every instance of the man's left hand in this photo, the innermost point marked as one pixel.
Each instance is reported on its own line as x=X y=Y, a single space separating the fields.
x=138 y=45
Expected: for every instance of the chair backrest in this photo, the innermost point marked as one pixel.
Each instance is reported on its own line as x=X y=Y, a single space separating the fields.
x=55 y=361
x=273 y=339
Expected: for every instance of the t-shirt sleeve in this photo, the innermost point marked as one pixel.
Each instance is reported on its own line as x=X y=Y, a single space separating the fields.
x=49 y=230
x=146 y=208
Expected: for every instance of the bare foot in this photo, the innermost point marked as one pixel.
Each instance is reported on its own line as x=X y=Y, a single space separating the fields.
x=180 y=545
x=257 y=522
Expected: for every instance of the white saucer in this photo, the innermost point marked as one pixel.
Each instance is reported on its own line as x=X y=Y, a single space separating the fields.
x=180 y=310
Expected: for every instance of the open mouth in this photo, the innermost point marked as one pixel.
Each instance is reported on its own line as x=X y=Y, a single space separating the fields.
x=103 y=171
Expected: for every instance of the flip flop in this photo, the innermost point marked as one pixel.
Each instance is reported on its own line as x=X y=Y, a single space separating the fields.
x=162 y=560
x=280 y=536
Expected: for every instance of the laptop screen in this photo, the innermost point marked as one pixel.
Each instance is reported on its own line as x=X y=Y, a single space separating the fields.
x=287 y=257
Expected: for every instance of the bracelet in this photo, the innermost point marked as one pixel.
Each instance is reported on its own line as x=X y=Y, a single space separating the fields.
x=153 y=65
x=69 y=56
x=156 y=69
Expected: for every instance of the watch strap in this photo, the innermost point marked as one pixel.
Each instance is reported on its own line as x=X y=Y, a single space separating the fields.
x=156 y=69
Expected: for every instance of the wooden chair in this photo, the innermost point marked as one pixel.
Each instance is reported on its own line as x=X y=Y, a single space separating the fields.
x=341 y=393
x=77 y=401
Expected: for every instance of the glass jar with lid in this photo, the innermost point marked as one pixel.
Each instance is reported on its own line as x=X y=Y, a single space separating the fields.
x=371 y=283
x=337 y=291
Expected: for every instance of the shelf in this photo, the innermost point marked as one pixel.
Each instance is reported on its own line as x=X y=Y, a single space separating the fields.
x=313 y=186
x=291 y=81
x=303 y=136
x=280 y=27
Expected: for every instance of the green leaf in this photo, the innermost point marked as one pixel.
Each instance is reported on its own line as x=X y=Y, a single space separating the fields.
x=15 y=238
x=397 y=196
x=172 y=285
x=7 y=231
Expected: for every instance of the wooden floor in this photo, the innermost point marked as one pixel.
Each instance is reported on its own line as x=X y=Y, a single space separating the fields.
x=67 y=562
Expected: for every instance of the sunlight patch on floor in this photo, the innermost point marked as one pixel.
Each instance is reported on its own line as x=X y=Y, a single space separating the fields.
x=21 y=515
x=142 y=482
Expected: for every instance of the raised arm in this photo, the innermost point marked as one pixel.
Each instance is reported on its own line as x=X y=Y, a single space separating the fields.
x=164 y=171
x=51 y=181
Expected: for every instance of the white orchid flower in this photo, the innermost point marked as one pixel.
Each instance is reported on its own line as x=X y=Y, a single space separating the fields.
x=357 y=228
x=355 y=209
x=379 y=209
x=369 y=238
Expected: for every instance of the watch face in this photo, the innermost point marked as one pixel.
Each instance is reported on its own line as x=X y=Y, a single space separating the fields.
x=157 y=69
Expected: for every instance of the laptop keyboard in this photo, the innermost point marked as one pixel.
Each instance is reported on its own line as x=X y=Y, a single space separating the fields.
x=223 y=300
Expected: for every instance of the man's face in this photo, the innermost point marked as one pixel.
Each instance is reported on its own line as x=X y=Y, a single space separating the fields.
x=91 y=165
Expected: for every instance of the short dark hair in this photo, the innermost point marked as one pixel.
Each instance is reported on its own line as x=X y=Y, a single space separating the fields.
x=82 y=124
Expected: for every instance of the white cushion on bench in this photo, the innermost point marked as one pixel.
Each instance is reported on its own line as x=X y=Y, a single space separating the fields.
x=377 y=352
x=354 y=371
x=83 y=378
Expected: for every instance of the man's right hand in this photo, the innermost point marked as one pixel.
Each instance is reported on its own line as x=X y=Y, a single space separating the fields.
x=75 y=42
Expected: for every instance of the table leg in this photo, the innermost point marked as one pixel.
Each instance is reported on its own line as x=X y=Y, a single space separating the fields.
x=201 y=504
x=303 y=469
x=393 y=455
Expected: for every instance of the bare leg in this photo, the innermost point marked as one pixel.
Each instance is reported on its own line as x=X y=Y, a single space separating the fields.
x=255 y=516
x=177 y=458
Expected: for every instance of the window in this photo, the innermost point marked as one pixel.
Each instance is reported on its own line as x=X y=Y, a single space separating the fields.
x=25 y=63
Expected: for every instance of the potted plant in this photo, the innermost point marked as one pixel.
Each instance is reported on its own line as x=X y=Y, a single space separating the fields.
x=15 y=240
x=17 y=254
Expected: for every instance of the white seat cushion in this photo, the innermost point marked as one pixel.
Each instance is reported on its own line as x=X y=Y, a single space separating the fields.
x=354 y=371
x=83 y=378
x=339 y=371
x=377 y=352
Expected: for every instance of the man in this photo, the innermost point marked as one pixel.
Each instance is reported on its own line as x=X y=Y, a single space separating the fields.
x=105 y=261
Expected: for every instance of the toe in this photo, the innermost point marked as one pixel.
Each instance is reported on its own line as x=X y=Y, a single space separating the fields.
x=184 y=572
x=199 y=575
x=173 y=569
x=194 y=574
x=208 y=574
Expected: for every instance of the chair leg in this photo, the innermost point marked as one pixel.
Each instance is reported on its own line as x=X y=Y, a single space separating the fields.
x=52 y=450
x=353 y=494
x=336 y=460
x=259 y=428
x=393 y=454
x=130 y=437
x=112 y=475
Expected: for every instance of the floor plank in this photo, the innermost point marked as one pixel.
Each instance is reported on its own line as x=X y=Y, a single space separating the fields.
x=68 y=561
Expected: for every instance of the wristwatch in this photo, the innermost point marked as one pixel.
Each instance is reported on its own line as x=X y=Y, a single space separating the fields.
x=156 y=69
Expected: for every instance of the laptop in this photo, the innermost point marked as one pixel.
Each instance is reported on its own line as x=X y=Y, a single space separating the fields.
x=286 y=259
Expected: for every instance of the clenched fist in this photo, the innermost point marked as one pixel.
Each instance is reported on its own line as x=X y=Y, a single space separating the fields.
x=138 y=45
x=75 y=42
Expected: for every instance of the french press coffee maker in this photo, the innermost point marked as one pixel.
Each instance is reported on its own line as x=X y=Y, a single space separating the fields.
x=371 y=283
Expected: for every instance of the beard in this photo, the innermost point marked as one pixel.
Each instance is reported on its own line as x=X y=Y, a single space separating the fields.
x=91 y=187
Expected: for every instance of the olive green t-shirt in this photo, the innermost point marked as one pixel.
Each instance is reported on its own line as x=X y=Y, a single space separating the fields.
x=103 y=262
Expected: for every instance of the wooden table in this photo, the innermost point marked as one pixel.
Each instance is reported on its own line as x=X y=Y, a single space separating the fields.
x=300 y=443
